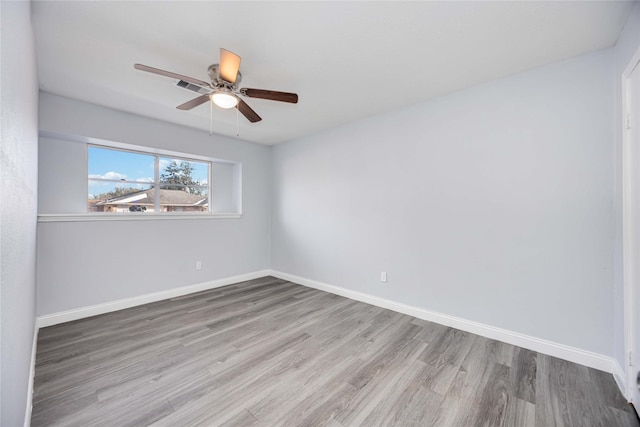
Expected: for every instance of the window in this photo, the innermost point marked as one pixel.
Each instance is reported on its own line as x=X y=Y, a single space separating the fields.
x=122 y=181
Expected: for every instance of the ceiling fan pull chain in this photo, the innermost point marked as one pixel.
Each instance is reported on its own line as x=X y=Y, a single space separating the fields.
x=237 y=121
x=210 y=118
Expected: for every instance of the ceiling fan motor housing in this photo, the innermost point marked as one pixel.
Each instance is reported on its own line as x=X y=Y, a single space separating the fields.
x=217 y=81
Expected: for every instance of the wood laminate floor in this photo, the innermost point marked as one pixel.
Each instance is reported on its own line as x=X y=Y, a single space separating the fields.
x=272 y=353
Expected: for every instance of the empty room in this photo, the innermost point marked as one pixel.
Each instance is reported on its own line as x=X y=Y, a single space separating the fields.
x=320 y=213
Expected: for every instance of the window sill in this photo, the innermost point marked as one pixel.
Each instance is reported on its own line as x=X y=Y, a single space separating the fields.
x=131 y=217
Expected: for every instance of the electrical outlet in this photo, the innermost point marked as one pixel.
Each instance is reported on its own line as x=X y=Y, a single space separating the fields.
x=383 y=276
x=198 y=265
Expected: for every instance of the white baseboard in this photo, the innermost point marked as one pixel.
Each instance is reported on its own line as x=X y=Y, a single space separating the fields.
x=572 y=354
x=621 y=379
x=94 y=310
x=32 y=372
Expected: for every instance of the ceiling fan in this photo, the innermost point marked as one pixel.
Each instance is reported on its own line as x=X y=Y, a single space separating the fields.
x=224 y=87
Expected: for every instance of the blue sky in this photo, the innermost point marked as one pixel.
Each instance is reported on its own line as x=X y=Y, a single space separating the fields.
x=123 y=165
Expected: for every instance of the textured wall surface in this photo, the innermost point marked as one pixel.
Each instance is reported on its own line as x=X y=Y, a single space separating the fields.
x=18 y=210
x=493 y=204
x=87 y=263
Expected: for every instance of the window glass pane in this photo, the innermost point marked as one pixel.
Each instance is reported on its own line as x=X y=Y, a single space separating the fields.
x=183 y=198
x=105 y=196
x=119 y=165
x=123 y=181
x=183 y=173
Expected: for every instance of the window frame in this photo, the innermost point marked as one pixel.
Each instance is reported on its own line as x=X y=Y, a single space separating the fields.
x=156 y=184
x=236 y=190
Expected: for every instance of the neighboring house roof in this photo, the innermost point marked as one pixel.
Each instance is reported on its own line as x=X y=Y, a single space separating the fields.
x=167 y=197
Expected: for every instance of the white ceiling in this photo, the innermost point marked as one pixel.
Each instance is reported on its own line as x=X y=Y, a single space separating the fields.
x=346 y=60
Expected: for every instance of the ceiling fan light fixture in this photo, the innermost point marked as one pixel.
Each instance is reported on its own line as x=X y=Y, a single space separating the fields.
x=224 y=100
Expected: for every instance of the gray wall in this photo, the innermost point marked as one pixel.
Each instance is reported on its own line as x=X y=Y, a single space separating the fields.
x=86 y=263
x=624 y=50
x=493 y=204
x=18 y=188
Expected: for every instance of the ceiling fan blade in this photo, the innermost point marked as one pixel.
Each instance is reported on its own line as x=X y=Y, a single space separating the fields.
x=270 y=94
x=229 y=65
x=193 y=103
x=170 y=74
x=248 y=112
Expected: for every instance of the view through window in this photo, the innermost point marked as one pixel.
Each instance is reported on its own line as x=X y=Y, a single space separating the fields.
x=127 y=181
